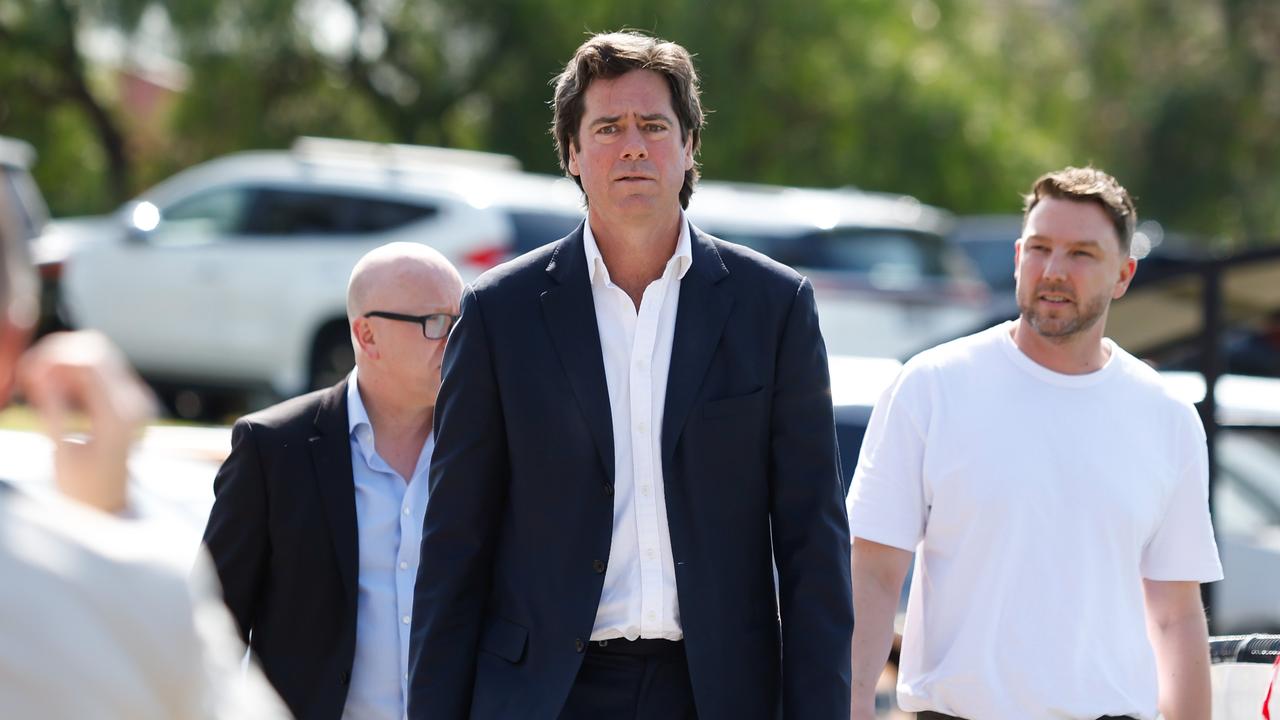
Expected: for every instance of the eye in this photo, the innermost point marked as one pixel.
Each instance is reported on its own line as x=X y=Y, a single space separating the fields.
x=655 y=127
x=1082 y=253
x=606 y=129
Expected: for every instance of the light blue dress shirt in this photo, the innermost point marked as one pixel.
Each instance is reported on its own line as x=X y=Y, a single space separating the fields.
x=389 y=514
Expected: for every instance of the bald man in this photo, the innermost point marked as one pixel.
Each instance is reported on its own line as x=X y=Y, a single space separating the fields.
x=318 y=512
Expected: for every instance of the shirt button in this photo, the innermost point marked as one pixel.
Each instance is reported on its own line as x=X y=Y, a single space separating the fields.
x=579 y=645
x=598 y=566
x=642 y=428
x=404 y=565
x=651 y=553
x=405 y=619
x=406 y=676
x=644 y=490
x=406 y=511
x=652 y=615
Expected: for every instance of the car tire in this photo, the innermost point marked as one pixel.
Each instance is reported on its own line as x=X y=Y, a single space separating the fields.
x=331 y=355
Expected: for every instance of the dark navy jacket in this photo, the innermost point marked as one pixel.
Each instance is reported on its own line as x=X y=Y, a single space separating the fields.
x=520 y=519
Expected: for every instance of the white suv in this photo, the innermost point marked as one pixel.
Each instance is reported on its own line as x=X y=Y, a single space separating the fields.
x=233 y=273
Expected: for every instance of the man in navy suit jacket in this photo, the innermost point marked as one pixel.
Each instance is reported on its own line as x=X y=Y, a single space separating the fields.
x=634 y=425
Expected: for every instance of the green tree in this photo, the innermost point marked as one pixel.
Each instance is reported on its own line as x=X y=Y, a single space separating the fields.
x=48 y=95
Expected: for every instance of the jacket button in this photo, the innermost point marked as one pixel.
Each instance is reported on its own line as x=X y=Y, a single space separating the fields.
x=579 y=645
x=597 y=565
x=608 y=489
x=344 y=677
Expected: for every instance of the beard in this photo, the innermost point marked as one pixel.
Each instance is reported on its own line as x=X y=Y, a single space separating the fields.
x=1066 y=322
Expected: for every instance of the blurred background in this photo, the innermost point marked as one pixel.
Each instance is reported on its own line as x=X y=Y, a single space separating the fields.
x=958 y=103
x=197 y=178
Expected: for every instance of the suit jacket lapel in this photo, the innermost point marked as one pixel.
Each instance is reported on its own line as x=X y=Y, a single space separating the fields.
x=700 y=320
x=571 y=318
x=331 y=455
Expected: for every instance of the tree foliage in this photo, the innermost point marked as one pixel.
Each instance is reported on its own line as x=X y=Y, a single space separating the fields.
x=959 y=102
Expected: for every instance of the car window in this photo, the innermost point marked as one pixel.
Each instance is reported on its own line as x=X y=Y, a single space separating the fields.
x=778 y=247
x=534 y=229
x=202 y=217
x=303 y=212
x=290 y=212
x=994 y=260
x=373 y=215
x=894 y=257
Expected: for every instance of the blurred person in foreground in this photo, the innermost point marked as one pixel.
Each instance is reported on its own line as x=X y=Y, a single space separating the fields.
x=1055 y=496
x=635 y=421
x=98 y=615
x=318 y=509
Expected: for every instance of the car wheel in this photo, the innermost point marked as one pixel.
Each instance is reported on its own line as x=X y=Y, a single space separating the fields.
x=331 y=357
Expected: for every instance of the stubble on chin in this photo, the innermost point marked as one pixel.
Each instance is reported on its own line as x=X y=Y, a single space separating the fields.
x=1063 y=329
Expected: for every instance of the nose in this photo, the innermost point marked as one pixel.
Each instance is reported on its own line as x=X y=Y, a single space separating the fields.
x=633 y=146
x=1056 y=265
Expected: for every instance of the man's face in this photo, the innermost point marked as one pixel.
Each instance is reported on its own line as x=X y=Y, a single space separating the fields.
x=407 y=358
x=1069 y=267
x=629 y=154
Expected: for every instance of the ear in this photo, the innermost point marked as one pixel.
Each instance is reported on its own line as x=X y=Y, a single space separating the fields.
x=1017 y=257
x=573 y=158
x=366 y=340
x=1127 y=270
x=688 y=152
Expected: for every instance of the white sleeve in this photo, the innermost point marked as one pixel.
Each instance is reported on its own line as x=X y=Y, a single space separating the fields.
x=1182 y=546
x=886 y=500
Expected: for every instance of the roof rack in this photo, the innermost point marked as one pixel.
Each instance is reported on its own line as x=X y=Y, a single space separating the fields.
x=398 y=156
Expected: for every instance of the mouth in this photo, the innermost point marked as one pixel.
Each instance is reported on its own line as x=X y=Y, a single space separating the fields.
x=633 y=178
x=1058 y=296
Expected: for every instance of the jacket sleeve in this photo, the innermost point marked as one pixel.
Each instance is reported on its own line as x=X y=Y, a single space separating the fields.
x=810 y=528
x=236 y=535
x=469 y=476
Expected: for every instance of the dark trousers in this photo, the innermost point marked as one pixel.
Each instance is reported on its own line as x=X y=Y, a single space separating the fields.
x=931 y=715
x=640 y=680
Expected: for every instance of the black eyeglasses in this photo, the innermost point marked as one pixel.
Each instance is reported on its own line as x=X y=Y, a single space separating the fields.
x=434 y=326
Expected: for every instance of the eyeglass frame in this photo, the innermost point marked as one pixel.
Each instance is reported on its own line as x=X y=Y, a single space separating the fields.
x=421 y=320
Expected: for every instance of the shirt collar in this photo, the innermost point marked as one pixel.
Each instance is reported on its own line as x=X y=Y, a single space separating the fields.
x=358 y=424
x=679 y=262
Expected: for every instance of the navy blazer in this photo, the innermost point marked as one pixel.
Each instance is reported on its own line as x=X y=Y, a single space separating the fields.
x=282 y=534
x=518 y=529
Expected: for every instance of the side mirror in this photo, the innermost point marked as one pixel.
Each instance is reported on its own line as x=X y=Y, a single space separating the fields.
x=140 y=218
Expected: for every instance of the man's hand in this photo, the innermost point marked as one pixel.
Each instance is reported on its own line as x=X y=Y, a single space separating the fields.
x=80 y=377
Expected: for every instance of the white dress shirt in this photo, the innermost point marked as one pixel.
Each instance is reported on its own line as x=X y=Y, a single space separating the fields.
x=639 y=596
x=389 y=514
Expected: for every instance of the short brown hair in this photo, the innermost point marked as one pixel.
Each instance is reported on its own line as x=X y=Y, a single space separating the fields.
x=612 y=55
x=1087 y=184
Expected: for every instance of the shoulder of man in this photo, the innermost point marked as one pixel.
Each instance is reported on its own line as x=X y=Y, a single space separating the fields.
x=298 y=412
x=963 y=352
x=1144 y=384
x=752 y=265
x=529 y=271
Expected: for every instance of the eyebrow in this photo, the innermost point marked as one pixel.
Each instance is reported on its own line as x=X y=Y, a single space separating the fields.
x=1089 y=242
x=610 y=119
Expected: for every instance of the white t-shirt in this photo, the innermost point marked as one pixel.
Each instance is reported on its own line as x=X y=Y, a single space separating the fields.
x=1036 y=503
